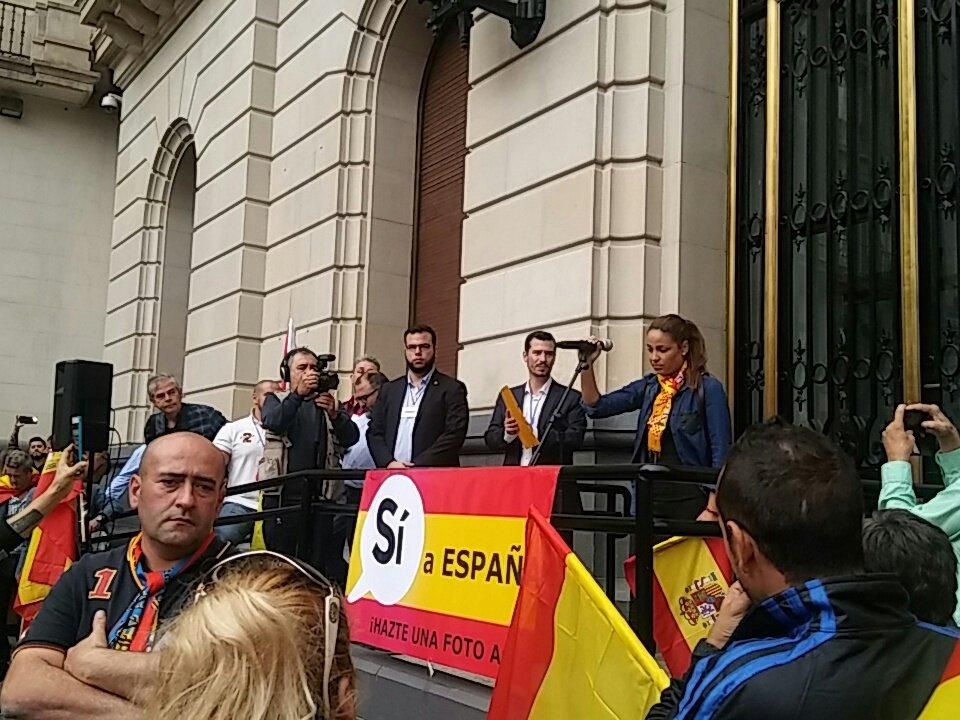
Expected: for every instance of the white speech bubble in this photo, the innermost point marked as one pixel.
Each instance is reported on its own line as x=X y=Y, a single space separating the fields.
x=391 y=542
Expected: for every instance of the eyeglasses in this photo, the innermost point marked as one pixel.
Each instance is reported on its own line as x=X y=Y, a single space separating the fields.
x=331 y=609
x=362 y=399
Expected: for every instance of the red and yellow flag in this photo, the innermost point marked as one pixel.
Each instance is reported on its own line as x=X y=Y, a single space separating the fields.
x=945 y=700
x=569 y=653
x=8 y=490
x=52 y=548
x=691 y=577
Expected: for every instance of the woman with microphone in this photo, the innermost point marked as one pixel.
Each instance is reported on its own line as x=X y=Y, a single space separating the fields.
x=684 y=417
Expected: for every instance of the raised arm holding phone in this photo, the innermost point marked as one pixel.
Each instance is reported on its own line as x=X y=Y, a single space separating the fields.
x=17 y=528
x=896 y=475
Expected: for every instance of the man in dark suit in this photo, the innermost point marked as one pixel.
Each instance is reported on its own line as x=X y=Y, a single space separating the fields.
x=539 y=400
x=421 y=417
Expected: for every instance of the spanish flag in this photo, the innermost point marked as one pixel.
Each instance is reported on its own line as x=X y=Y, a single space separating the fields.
x=691 y=577
x=7 y=489
x=52 y=548
x=945 y=700
x=569 y=654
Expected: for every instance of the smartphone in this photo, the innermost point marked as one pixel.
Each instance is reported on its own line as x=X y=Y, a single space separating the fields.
x=913 y=422
x=76 y=430
x=26 y=420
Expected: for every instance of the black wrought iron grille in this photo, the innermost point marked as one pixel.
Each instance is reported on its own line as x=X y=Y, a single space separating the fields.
x=839 y=333
x=938 y=135
x=748 y=290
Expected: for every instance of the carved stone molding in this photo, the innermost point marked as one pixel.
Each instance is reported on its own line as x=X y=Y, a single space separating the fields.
x=57 y=65
x=129 y=31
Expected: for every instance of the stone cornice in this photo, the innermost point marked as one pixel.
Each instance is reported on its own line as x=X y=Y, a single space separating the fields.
x=129 y=32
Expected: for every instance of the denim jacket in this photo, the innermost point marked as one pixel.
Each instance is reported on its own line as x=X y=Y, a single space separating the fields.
x=699 y=419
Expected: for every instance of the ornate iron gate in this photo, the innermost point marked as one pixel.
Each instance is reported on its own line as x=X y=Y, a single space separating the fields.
x=844 y=119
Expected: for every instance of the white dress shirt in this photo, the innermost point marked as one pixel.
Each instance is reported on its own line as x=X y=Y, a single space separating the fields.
x=532 y=408
x=403 y=450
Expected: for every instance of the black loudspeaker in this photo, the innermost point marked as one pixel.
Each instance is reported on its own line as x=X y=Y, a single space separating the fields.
x=82 y=387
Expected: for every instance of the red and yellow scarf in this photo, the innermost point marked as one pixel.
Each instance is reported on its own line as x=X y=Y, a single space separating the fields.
x=657 y=424
x=137 y=627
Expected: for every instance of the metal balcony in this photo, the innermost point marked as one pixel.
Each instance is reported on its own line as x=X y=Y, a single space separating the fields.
x=15 y=37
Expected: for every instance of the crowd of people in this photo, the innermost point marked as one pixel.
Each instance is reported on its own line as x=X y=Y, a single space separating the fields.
x=831 y=615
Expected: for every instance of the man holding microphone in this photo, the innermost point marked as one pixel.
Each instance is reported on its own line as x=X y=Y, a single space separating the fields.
x=539 y=399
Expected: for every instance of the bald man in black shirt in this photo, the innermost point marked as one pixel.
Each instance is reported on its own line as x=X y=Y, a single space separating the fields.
x=86 y=654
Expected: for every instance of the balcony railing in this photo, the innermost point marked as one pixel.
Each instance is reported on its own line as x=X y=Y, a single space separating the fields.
x=14 y=37
x=614 y=487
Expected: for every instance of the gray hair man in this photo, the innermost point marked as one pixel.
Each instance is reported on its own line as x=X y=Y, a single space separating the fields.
x=364 y=365
x=358 y=457
x=174 y=415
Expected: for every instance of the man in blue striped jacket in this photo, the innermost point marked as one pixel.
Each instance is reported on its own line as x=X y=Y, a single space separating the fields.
x=805 y=632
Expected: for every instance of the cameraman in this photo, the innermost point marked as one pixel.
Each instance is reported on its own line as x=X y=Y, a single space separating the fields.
x=896 y=477
x=307 y=419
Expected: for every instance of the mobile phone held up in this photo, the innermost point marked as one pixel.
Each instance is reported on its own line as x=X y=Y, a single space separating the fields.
x=913 y=422
x=76 y=431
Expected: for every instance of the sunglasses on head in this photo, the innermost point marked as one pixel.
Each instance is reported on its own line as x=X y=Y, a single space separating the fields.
x=331 y=609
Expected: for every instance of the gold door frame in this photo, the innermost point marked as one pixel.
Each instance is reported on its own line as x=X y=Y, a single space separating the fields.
x=910 y=310
x=910 y=300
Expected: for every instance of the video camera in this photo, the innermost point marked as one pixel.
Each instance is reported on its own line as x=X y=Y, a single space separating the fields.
x=328 y=381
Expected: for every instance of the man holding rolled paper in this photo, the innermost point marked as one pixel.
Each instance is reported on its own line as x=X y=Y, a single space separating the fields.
x=522 y=414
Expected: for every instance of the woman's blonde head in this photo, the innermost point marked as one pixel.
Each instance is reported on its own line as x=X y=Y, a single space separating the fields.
x=253 y=647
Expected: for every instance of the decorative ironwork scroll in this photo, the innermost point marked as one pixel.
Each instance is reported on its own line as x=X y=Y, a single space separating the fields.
x=938 y=159
x=748 y=258
x=840 y=350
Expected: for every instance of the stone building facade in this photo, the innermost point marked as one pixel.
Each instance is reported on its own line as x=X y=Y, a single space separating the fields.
x=57 y=170
x=268 y=161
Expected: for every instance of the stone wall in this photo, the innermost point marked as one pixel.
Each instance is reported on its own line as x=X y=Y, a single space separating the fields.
x=211 y=84
x=56 y=195
x=594 y=188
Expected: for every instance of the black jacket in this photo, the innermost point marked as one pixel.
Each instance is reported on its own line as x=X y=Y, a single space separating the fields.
x=440 y=427
x=558 y=447
x=565 y=437
x=305 y=426
x=845 y=647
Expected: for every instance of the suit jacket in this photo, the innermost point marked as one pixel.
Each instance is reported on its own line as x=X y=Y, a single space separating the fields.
x=565 y=437
x=440 y=427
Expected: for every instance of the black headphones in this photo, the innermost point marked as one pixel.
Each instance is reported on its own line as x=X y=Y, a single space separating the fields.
x=285 y=363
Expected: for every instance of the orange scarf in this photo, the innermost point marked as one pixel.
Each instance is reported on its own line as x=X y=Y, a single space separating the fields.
x=657 y=424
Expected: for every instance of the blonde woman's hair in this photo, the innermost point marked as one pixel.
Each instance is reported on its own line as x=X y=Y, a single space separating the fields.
x=252 y=648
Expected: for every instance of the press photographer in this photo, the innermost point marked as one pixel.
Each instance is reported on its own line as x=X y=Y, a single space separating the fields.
x=309 y=429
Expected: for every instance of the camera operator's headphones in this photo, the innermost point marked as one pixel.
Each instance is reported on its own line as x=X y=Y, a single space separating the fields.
x=285 y=363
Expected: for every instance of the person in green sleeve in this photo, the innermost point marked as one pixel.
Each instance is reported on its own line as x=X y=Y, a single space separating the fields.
x=896 y=491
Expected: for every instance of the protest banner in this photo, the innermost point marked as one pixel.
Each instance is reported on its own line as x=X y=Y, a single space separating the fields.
x=436 y=560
